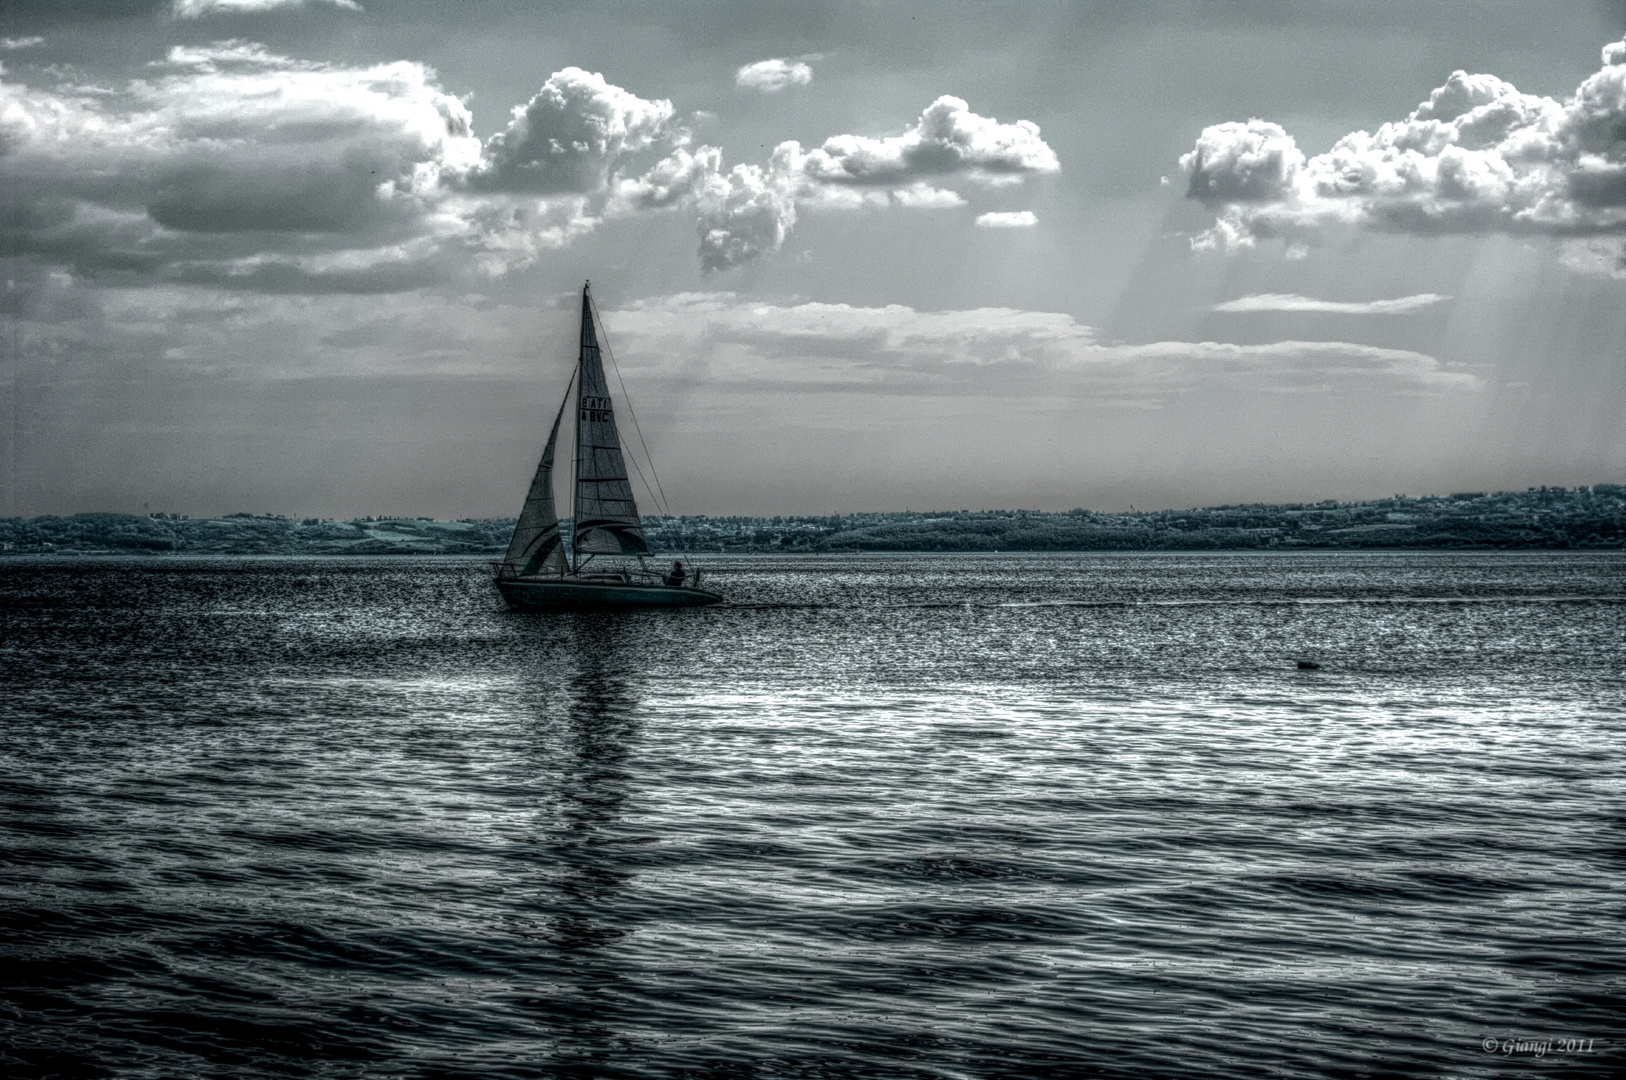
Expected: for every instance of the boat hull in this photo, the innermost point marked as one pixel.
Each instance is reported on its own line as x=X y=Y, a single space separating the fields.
x=572 y=594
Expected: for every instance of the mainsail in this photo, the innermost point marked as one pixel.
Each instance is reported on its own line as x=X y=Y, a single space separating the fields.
x=536 y=547
x=606 y=518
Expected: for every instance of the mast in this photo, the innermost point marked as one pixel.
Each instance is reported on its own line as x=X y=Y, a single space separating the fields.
x=576 y=449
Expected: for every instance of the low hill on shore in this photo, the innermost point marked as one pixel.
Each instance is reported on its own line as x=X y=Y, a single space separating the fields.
x=1582 y=517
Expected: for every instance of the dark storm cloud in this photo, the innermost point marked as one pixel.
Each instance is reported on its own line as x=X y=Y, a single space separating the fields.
x=1477 y=156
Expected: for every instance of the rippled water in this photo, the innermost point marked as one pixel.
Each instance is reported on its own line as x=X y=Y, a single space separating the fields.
x=880 y=816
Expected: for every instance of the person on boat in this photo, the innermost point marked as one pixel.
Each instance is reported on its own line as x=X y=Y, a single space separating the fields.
x=675 y=578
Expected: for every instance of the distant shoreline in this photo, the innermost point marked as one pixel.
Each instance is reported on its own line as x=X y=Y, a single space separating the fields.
x=1585 y=518
x=69 y=555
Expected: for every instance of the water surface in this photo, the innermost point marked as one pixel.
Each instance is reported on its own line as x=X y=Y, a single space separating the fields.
x=879 y=816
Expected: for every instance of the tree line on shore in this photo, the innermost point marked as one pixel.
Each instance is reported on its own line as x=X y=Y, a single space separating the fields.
x=1549 y=517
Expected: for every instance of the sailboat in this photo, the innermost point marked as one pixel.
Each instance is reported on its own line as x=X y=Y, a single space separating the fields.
x=536 y=574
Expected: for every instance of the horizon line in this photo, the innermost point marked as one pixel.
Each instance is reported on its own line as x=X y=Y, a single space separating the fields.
x=176 y=516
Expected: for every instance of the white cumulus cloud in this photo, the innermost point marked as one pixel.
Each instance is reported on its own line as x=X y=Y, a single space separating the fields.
x=570 y=135
x=12 y=43
x=847 y=172
x=1007 y=219
x=772 y=76
x=1293 y=302
x=197 y=9
x=948 y=139
x=1477 y=156
x=228 y=163
x=746 y=213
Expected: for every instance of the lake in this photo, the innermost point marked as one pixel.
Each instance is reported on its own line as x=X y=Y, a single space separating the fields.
x=880 y=816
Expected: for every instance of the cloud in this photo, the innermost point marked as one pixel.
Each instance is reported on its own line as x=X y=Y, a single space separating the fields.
x=1293 y=302
x=235 y=166
x=922 y=196
x=772 y=76
x=1477 y=156
x=13 y=43
x=1001 y=351
x=949 y=139
x=1252 y=162
x=227 y=153
x=570 y=135
x=1595 y=257
x=580 y=133
x=1007 y=219
x=230 y=164
x=741 y=345
x=197 y=9
x=748 y=212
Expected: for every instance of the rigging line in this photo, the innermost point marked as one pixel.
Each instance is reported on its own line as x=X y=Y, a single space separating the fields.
x=665 y=507
x=647 y=488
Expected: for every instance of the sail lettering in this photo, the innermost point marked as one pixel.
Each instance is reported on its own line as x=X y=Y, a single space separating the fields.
x=596 y=410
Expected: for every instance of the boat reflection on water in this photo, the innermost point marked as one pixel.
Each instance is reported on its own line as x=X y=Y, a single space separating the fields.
x=586 y=730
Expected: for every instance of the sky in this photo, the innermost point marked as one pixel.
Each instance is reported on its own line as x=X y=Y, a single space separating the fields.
x=323 y=258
